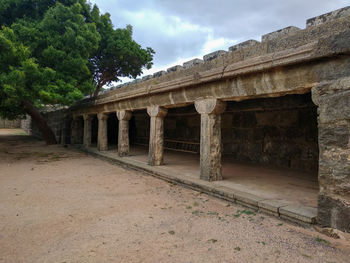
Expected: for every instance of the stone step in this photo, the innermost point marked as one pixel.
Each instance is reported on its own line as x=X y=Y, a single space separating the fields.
x=299 y=214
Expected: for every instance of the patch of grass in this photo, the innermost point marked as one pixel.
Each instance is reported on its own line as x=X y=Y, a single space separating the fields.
x=188 y=207
x=237 y=248
x=171 y=232
x=281 y=224
x=197 y=212
x=213 y=213
x=195 y=204
x=321 y=240
x=306 y=256
x=245 y=212
x=262 y=243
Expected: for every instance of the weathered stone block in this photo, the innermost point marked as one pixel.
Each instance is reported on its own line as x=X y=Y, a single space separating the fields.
x=214 y=55
x=299 y=212
x=336 y=14
x=192 y=63
x=244 y=44
x=287 y=31
x=335 y=134
x=147 y=77
x=333 y=212
x=159 y=74
x=333 y=99
x=174 y=68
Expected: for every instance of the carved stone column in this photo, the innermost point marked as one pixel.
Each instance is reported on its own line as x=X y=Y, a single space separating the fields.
x=123 y=132
x=74 y=130
x=156 y=138
x=87 y=130
x=210 y=144
x=102 y=139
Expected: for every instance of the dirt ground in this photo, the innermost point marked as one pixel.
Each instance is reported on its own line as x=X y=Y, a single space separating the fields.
x=60 y=205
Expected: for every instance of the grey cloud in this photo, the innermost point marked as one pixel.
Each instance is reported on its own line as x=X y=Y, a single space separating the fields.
x=237 y=20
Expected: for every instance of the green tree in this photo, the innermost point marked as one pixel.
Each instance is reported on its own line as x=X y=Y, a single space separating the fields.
x=118 y=55
x=54 y=53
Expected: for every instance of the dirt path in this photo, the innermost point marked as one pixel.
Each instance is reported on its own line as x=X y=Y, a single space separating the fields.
x=58 y=205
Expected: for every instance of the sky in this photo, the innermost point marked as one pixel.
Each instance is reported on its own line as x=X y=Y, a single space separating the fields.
x=180 y=30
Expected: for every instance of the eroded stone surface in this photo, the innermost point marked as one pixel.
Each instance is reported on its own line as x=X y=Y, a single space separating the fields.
x=192 y=63
x=156 y=140
x=318 y=20
x=333 y=99
x=210 y=142
x=123 y=132
x=214 y=55
x=87 y=130
x=244 y=44
x=288 y=61
x=102 y=139
x=287 y=31
x=334 y=212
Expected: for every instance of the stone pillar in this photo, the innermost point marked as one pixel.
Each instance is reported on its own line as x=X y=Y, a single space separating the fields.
x=333 y=100
x=210 y=144
x=74 y=130
x=156 y=137
x=102 y=139
x=87 y=130
x=123 y=132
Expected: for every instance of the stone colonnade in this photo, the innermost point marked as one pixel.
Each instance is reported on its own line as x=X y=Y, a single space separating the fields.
x=210 y=145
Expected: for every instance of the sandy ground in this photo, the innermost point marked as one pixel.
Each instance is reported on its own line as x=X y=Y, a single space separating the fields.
x=60 y=205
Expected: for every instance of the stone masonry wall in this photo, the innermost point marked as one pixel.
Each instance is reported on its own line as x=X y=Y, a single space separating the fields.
x=56 y=120
x=333 y=100
x=281 y=132
x=10 y=124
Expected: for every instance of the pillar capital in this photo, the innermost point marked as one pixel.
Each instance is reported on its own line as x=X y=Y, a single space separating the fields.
x=87 y=117
x=157 y=111
x=210 y=106
x=102 y=116
x=124 y=115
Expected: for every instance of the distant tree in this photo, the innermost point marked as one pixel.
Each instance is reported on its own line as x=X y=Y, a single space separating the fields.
x=55 y=52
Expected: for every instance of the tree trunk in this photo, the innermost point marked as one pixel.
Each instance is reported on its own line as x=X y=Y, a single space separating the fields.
x=97 y=90
x=40 y=122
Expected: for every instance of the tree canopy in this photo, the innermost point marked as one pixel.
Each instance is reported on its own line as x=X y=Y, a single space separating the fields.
x=55 y=52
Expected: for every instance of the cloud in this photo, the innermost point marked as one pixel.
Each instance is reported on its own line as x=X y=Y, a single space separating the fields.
x=183 y=29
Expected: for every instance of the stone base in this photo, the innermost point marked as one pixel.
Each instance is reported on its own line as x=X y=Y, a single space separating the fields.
x=333 y=213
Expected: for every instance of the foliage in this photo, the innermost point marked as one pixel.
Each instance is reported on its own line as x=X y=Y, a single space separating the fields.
x=55 y=52
x=118 y=54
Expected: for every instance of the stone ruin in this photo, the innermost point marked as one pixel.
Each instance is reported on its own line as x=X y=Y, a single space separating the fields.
x=282 y=102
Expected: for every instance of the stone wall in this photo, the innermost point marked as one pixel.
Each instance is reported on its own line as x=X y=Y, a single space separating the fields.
x=333 y=99
x=57 y=121
x=10 y=124
x=281 y=132
x=139 y=128
x=26 y=124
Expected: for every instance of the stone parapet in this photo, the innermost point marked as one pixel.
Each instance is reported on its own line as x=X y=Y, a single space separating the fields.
x=285 y=39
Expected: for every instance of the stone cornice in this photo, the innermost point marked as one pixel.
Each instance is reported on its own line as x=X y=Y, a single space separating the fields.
x=265 y=62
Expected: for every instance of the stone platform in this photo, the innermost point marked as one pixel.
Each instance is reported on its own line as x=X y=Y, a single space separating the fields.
x=289 y=195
